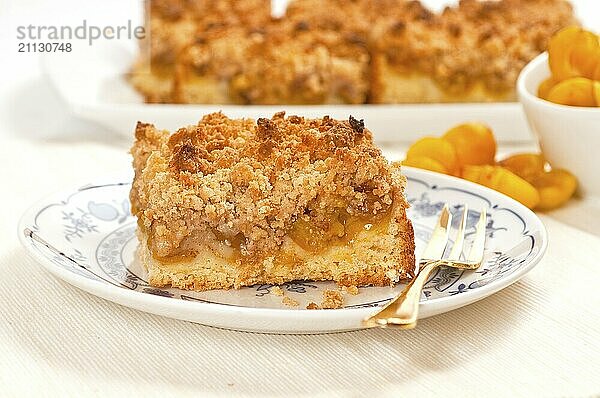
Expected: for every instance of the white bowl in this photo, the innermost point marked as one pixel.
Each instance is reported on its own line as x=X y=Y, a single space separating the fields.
x=569 y=135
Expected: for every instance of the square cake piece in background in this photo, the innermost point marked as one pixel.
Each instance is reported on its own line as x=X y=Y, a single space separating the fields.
x=471 y=52
x=298 y=59
x=340 y=51
x=229 y=203
x=194 y=48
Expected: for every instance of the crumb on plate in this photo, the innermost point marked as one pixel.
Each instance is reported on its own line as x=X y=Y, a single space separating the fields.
x=290 y=302
x=332 y=299
x=277 y=291
x=353 y=290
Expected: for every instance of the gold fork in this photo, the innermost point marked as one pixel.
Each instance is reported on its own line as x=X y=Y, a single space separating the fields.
x=402 y=311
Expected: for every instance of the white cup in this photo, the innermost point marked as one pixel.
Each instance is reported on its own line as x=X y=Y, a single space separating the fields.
x=569 y=135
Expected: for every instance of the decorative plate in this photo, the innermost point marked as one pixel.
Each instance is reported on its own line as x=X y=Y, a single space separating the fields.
x=86 y=236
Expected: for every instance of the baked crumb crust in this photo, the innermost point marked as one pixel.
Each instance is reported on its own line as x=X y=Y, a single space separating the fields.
x=246 y=183
x=332 y=51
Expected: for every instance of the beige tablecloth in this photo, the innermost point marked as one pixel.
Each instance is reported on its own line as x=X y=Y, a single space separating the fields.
x=539 y=337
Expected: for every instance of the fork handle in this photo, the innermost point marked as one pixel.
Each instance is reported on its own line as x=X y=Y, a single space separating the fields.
x=402 y=311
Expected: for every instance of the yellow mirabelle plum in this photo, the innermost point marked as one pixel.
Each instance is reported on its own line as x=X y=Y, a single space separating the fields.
x=525 y=165
x=474 y=143
x=576 y=91
x=545 y=87
x=555 y=188
x=437 y=149
x=573 y=52
x=504 y=181
x=423 y=162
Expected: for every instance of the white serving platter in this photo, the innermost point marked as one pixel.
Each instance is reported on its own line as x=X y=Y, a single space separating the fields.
x=91 y=80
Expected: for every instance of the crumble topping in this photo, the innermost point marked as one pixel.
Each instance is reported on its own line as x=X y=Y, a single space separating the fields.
x=313 y=306
x=175 y=24
x=247 y=182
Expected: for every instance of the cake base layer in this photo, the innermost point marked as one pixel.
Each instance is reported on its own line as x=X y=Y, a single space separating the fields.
x=191 y=89
x=391 y=85
x=155 y=86
x=186 y=87
x=372 y=258
x=388 y=85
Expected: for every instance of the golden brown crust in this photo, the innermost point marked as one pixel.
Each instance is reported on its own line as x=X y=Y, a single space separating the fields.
x=331 y=51
x=250 y=184
x=150 y=140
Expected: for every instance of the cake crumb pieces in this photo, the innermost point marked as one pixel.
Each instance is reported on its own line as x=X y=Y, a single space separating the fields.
x=312 y=306
x=353 y=290
x=290 y=302
x=277 y=291
x=332 y=299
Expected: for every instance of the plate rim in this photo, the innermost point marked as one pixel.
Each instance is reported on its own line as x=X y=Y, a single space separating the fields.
x=111 y=293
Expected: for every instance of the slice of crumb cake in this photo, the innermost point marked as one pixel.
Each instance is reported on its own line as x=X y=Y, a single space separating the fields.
x=233 y=202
